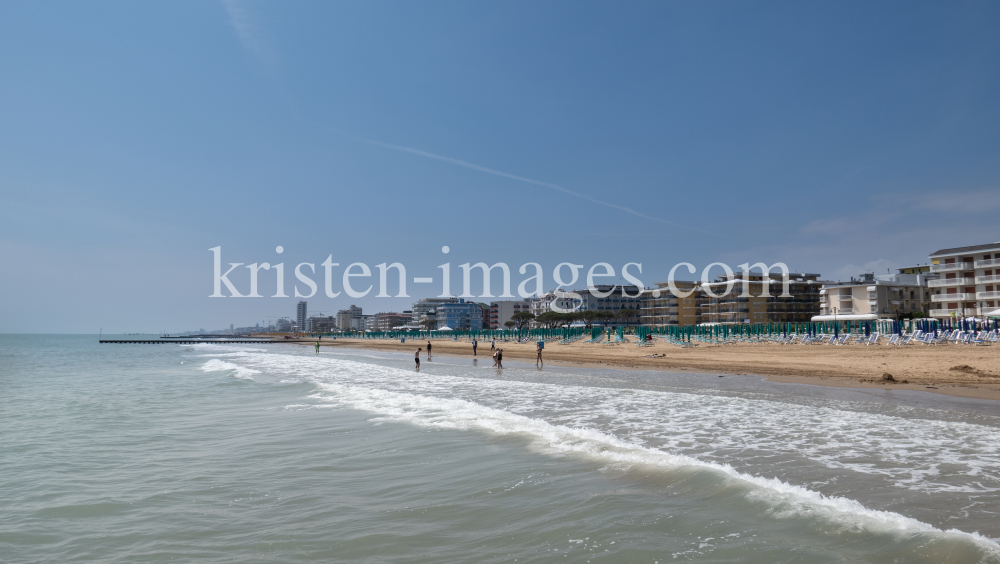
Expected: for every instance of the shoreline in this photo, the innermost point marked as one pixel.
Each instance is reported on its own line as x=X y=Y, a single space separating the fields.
x=951 y=370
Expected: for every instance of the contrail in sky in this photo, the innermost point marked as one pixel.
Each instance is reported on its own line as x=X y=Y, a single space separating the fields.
x=249 y=34
x=519 y=179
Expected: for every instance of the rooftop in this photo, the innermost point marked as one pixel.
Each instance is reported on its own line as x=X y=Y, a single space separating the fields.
x=972 y=249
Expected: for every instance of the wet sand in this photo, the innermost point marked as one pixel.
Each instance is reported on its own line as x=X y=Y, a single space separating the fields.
x=956 y=370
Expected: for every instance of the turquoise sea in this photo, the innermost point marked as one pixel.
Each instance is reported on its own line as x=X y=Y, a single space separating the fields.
x=274 y=453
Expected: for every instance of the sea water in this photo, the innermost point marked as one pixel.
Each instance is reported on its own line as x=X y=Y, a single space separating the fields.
x=276 y=453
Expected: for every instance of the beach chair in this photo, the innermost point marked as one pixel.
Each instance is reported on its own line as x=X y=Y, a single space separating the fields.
x=974 y=340
x=930 y=339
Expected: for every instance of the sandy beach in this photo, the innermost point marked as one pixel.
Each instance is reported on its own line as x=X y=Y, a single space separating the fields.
x=955 y=370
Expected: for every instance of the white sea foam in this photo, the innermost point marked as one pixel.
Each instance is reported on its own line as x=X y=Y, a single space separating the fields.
x=786 y=500
x=676 y=430
x=924 y=455
x=242 y=372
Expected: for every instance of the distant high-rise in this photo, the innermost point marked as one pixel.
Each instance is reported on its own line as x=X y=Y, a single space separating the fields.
x=350 y=319
x=230 y=327
x=300 y=315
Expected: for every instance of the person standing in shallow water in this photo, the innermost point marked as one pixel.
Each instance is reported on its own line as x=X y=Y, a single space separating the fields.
x=538 y=353
x=474 y=345
x=499 y=358
x=317 y=346
x=416 y=357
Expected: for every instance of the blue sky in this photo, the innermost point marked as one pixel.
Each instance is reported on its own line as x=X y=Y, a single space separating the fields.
x=836 y=137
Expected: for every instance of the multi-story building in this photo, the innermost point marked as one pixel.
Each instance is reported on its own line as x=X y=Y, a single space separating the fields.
x=425 y=309
x=283 y=325
x=388 y=321
x=300 y=316
x=350 y=319
x=889 y=296
x=460 y=316
x=733 y=307
x=662 y=307
x=598 y=298
x=501 y=311
x=322 y=324
x=970 y=281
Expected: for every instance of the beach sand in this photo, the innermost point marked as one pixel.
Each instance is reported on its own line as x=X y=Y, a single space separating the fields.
x=956 y=370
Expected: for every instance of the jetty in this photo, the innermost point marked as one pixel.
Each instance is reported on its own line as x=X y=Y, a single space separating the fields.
x=189 y=341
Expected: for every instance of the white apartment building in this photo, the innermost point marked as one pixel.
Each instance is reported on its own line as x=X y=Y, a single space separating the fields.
x=501 y=312
x=874 y=297
x=970 y=281
x=633 y=298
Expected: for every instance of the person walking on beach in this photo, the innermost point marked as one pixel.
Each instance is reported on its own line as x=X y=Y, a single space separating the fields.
x=428 y=349
x=499 y=358
x=416 y=357
x=493 y=344
x=538 y=353
x=475 y=344
x=495 y=353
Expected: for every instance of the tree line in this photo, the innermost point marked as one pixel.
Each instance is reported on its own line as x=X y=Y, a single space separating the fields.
x=551 y=319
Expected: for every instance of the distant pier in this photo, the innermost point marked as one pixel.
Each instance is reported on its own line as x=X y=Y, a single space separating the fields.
x=188 y=341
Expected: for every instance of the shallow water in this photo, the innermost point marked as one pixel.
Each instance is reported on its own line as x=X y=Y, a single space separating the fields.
x=273 y=453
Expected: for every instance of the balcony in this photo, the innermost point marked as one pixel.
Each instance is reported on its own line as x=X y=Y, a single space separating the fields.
x=988 y=279
x=945 y=282
x=989 y=263
x=953 y=267
x=952 y=297
x=987 y=295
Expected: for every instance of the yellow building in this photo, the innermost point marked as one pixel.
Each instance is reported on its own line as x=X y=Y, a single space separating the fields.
x=664 y=308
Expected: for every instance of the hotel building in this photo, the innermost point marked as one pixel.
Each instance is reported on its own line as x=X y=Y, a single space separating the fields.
x=731 y=307
x=598 y=298
x=350 y=319
x=662 y=307
x=501 y=312
x=970 y=281
x=460 y=316
x=888 y=296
